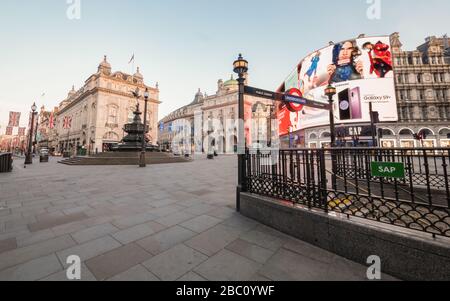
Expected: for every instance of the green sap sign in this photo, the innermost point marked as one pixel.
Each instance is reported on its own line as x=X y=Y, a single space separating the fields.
x=388 y=170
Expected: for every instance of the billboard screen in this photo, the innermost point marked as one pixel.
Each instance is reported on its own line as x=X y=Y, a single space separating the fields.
x=360 y=69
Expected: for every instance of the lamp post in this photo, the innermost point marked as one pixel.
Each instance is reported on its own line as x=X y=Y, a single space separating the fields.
x=36 y=136
x=29 y=157
x=269 y=132
x=291 y=129
x=241 y=68
x=142 y=161
x=330 y=91
x=372 y=125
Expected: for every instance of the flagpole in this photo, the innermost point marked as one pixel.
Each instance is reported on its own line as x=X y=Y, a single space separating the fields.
x=132 y=66
x=68 y=134
x=35 y=135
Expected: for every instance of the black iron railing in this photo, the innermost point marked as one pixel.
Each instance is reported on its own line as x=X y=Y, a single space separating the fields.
x=342 y=180
x=5 y=162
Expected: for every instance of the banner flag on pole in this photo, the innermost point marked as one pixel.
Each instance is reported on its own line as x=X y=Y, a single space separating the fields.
x=22 y=132
x=9 y=131
x=14 y=119
x=132 y=59
x=67 y=122
x=52 y=121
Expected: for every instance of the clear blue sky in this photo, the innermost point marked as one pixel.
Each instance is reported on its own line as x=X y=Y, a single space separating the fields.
x=183 y=44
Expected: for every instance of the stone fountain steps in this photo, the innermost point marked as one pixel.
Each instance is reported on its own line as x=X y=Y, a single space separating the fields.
x=130 y=155
x=124 y=159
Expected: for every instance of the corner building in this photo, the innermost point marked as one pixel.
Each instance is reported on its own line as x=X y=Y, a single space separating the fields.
x=99 y=110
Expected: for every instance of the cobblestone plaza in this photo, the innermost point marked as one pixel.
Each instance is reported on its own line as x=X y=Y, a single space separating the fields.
x=165 y=222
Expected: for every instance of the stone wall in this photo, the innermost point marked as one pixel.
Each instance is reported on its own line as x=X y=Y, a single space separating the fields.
x=405 y=254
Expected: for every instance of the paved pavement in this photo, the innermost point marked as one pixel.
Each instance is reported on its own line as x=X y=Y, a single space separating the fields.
x=164 y=222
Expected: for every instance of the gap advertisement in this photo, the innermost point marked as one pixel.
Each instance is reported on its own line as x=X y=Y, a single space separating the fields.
x=362 y=72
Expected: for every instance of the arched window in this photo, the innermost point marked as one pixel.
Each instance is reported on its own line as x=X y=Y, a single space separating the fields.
x=111 y=136
x=388 y=132
x=325 y=135
x=427 y=132
x=93 y=113
x=312 y=136
x=406 y=132
x=445 y=132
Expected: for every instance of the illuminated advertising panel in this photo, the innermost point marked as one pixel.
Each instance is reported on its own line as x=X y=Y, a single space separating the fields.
x=360 y=69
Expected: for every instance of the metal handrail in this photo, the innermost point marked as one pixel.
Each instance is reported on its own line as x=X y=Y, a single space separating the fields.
x=341 y=180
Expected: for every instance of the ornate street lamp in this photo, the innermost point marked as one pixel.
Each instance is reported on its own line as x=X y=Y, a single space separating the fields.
x=270 y=132
x=142 y=161
x=330 y=91
x=291 y=130
x=241 y=68
x=29 y=157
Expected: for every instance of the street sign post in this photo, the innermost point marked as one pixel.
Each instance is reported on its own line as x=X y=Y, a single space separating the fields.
x=286 y=97
x=388 y=170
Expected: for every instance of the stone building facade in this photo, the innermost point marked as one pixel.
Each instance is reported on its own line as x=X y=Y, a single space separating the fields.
x=210 y=122
x=98 y=111
x=422 y=81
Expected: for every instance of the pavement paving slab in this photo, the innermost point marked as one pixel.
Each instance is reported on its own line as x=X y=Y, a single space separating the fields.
x=164 y=222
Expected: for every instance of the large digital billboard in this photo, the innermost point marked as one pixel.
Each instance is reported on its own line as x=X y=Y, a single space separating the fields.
x=360 y=69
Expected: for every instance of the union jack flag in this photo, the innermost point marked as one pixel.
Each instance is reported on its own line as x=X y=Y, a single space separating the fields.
x=22 y=132
x=9 y=131
x=67 y=122
x=52 y=121
x=14 y=119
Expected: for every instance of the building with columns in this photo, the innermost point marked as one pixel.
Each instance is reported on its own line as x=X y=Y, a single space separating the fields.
x=92 y=118
x=422 y=83
x=209 y=122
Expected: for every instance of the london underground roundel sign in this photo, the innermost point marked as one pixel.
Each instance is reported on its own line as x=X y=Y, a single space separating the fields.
x=294 y=107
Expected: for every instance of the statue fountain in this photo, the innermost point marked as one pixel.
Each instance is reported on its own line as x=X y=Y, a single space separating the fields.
x=128 y=151
x=132 y=142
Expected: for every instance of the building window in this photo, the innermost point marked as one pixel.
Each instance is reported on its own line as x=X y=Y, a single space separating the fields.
x=312 y=136
x=404 y=113
x=130 y=115
x=421 y=95
x=406 y=132
x=419 y=78
x=399 y=78
x=410 y=60
x=112 y=115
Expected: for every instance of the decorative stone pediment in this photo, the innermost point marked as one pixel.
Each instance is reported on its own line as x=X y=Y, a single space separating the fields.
x=395 y=42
